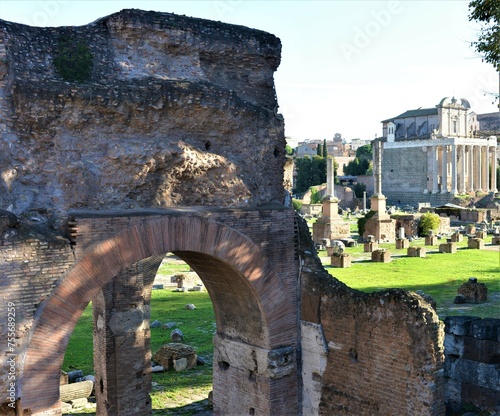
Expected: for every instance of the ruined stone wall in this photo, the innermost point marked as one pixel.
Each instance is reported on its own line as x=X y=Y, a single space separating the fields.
x=472 y=376
x=176 y=112
x=31 y=263
x=367 y=354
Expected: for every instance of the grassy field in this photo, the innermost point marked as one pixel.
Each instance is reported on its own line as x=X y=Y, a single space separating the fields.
x=438 y=275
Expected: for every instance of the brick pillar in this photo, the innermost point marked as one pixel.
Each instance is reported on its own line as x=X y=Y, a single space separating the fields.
x=122 y=352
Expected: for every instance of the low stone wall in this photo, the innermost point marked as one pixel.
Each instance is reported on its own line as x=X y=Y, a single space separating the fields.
x=472 y=351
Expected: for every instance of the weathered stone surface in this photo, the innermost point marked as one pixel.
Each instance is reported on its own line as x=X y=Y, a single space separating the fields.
x=167 y=117
x=7 y=220
x=475 y=243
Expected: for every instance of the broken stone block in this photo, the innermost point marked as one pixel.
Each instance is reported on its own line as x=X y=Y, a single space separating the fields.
x=381 y=256
x=431 y=240
x=180 y=364
x=416 y=252
x=176 y=335
x=457 y=237
x=340 y=260
x=475 y=243
x=448 y=247
x=69 y=392
x=473 y=291
x=370 y=246
x=166 y=355
x=155 y=324
x=402 y=243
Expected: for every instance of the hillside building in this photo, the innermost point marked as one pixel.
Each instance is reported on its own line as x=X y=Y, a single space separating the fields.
x=433 y=154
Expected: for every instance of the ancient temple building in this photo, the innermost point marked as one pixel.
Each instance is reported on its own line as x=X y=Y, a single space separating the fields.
x=433 y=154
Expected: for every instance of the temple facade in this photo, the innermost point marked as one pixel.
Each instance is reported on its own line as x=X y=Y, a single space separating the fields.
x=433 y=154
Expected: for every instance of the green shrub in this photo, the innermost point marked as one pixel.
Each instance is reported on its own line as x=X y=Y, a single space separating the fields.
x=362 y=222
x=428 y=222
x=315 y=198
x=73 y=60
x=297 y=204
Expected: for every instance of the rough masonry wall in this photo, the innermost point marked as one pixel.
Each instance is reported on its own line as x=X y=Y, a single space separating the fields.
x=176 y=112
x=374 y=354
x=31 y=263
x=472 y=370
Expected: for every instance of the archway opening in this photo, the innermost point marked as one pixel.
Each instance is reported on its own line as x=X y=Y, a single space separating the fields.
x=179 y=304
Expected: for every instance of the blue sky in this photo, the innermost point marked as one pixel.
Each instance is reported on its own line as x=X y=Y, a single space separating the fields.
x=346 y=65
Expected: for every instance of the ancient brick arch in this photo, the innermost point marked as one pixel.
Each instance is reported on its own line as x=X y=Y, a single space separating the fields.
x=241 y=282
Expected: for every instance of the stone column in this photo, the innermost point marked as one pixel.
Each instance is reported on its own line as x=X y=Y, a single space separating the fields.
x=444 y=170
x=454 y=190
x=470 y=154
x=122 y=351
x=377 y=167
x=493 y=181
x=463 y=169
x=330 y=178
x=485 y=168
x=479 y=170
x=435 y=173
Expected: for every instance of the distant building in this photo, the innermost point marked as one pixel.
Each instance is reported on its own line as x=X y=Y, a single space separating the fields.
x=433 y=154
x=307 y=148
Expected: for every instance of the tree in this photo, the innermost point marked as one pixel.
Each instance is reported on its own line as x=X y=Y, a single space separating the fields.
x=364 y=152
x=358 y=189
x=325 y=149
x=487 y=13
x=428 y=222
x=357 y=167
x=310 y=172
x=288 y=150
x=319 y=150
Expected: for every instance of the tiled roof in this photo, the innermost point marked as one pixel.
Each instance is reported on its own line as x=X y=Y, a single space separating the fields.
x=415 y=113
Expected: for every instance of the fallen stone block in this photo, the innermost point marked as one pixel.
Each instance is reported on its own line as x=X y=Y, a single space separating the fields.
x=166 y=355
x=81 y=389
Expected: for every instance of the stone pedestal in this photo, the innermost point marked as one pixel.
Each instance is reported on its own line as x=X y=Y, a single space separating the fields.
x=381 y=256
x=495 y=240
x=481 y=234
x=378 y=203
x=416 y=252
x=330 y=226
x=448 y=248
x=333 y=229
x=475 y=243
x=457 y=238
x=402 y=243
x=370 y=246
x=340 y=260
x=431 y=240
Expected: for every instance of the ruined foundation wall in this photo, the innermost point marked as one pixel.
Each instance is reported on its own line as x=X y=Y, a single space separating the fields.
x=374 y=354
